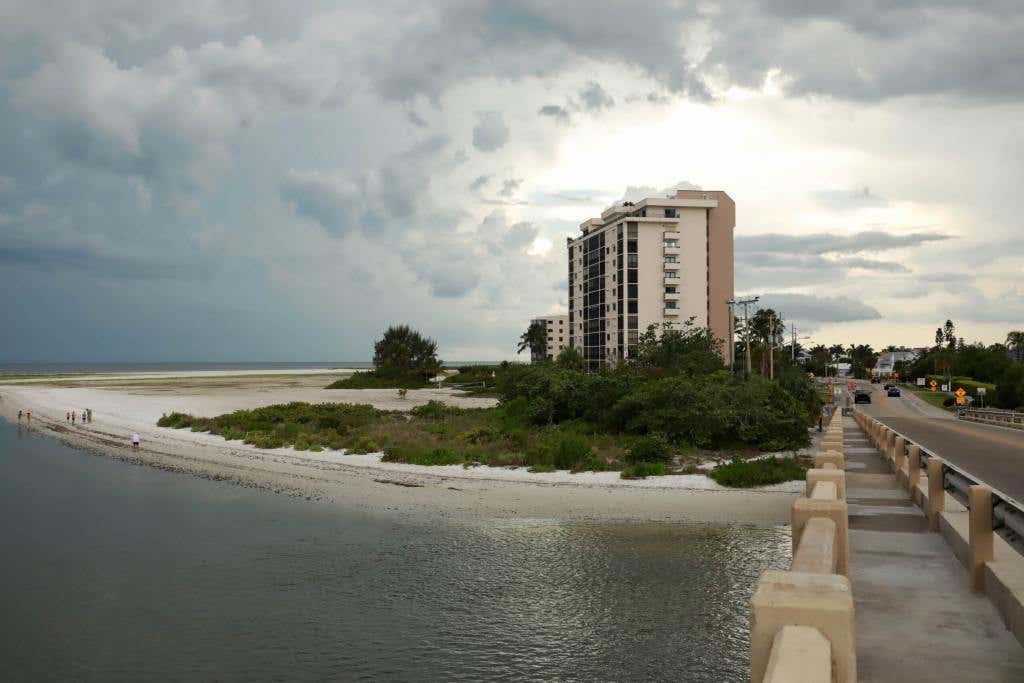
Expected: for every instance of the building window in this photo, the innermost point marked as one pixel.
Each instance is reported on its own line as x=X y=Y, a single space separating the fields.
x=671 y=243
x=671 y=275
x=672 y=304
x=670 y=213
x=670 y=289
x=671 y=259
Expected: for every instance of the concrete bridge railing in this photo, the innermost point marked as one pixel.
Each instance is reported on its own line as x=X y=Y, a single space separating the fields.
x=1000 y=418
x=801 y=620
x=967 y=512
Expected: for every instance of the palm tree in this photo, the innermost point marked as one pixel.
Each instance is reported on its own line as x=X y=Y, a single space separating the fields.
x=536 y=339
x=1015 y=340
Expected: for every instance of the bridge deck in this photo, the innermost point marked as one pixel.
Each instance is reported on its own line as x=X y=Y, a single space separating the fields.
x=917 y=619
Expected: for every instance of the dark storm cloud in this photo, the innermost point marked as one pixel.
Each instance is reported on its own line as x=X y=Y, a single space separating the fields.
x=872 y=50
x=490 y=132
x=510 y=186
x=594 y=98
x=101 y=265
x=555 y=111
x=825 y=243
x=819 y=309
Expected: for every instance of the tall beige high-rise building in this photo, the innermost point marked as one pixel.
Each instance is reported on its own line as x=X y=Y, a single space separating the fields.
x=655 y=261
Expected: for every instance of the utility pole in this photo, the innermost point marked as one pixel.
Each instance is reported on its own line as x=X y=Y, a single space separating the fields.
x=771 y=348
x=732 y=337
x=746 y=323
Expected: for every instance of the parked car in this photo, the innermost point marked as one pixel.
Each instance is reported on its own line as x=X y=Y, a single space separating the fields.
x=893 y=391
x=876 y=380
x=862 y=396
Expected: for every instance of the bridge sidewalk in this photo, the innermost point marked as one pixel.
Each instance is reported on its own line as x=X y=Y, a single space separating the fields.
x=917 y=619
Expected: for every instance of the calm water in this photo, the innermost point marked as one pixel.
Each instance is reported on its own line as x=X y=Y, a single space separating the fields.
x=76 y=368
x=112 y=572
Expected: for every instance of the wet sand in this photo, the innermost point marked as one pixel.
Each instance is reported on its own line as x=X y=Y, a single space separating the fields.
x=123 y=404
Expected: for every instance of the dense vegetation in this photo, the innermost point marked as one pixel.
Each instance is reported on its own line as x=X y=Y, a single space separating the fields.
x=402 y=359
x=644 y=418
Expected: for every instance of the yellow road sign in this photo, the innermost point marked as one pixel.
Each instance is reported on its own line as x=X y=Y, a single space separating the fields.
x=960 y=393
x=933 y=384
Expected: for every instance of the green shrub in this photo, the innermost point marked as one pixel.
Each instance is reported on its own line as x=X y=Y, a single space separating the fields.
x=438 y=428
x=375 y=379
x=644 y=469
x=263 y=439
x=175 y=421
x=427 y=456
x=364 y=444
x=650 y=448
x=435 y=410
x=542 y=467
x=478 y=435
x=747 y=473
x=570 y=451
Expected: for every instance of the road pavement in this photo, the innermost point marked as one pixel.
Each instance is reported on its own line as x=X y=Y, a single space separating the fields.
x=994 y=455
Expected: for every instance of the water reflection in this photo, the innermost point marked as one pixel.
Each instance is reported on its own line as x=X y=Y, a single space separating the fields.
x=126 y=573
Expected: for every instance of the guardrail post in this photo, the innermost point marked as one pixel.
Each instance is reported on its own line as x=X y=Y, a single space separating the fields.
x=913 y=469
x=936 y=493
x=980 y=511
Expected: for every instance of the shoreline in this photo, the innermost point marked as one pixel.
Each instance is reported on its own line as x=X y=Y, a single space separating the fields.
x=364 y=481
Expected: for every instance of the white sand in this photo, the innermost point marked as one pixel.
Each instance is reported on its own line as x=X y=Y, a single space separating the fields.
x=364 y=480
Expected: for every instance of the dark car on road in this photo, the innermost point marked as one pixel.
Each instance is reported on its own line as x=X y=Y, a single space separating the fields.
x=862 y=396
x=893 y=391
x=876 y=380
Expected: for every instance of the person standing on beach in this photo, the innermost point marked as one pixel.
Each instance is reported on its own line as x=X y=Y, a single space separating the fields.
x=135 y=441
x=19 y=416
x=72 y=417
x=67 y=417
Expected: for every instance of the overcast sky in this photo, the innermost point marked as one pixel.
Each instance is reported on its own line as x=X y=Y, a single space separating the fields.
x=245 y=180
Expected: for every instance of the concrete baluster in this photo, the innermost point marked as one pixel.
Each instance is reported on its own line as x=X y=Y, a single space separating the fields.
x=913 y=469
x=980 y=536
x=936 y=493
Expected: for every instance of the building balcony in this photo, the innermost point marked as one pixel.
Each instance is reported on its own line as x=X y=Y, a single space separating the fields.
x=669 y=265
x=671 y=312
x=670 y=251
x=673 y=296
x=671 y=280
x=671 y=235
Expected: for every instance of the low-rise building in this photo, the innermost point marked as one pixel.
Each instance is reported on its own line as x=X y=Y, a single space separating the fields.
x=557 y=338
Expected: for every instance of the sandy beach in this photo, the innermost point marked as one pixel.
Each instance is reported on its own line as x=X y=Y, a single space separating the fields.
x=123 y=404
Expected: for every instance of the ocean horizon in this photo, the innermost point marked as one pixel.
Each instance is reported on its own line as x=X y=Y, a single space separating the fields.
x=72 y=368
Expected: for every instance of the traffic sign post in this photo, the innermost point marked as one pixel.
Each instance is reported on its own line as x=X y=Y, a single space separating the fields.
x=960 y=396
x=934 y=385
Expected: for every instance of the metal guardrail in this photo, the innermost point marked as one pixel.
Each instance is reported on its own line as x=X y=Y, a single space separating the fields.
x=1007 y=511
